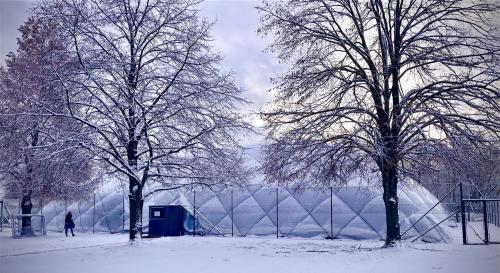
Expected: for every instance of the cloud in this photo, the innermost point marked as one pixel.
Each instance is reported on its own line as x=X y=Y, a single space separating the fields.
x=235 y=37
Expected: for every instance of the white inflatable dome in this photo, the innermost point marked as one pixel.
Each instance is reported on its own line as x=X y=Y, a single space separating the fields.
x=356 y=212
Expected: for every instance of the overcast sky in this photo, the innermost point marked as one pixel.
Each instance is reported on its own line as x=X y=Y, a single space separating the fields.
x=235 y=34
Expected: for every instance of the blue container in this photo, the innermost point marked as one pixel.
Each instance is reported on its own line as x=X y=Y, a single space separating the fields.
x=166 y=221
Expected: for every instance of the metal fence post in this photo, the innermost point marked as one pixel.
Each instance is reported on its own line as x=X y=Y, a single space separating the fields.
x=488 y=212
x=232 y=214
x=123 y=213
x=493 y=213
x=194 y=212
x=1 y=216
x=93 y=216
x=497 y=222
x=485 y=220
x=462 y=208
x=277 y=212
x=331 y=212
x=497 y=214
x=44 y=228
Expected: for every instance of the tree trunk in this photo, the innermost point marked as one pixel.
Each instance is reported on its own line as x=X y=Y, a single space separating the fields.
x=390 y=183
x=136 y=204
x=26 y=206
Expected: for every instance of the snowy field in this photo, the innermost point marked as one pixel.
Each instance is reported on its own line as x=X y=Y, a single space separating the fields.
x=112 y=253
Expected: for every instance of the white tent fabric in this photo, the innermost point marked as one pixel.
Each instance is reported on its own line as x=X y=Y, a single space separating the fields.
x=357 y=212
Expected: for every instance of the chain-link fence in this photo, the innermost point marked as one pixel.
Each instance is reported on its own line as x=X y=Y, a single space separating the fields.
x=356 y=212
x=347 y=212
x=481 y=221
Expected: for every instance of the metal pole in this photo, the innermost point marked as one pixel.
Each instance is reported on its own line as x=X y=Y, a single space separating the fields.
x=232 y=214
x=497 y=214
x=493 y=213
x=194 y=212
x=485 y=220
x=491 y=218
x=93 y=216
x=1 y=216
x=462 y=209
x=488 y=212
x=123 y=213
x=44 y=228
x=277 y=214
x=331 y=212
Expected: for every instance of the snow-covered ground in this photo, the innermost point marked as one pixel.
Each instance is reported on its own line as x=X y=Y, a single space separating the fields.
x=475 y=232
x=112 y=253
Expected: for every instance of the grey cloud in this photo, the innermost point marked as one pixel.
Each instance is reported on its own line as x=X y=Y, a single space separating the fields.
x=235 y=38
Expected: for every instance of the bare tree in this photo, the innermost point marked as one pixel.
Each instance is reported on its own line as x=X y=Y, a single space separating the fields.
x=373 y=82
x=476 y=167
x=40 y=155
x=150 y=89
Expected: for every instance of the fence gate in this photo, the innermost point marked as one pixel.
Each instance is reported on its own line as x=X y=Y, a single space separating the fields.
x=480 y=221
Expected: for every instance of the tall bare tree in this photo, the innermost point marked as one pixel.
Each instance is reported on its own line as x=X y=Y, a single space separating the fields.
x=372 y=82
x=476 y=167
x=40 y=154
x=151 y=90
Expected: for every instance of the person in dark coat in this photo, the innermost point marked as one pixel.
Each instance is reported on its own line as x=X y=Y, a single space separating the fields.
x=69 y=224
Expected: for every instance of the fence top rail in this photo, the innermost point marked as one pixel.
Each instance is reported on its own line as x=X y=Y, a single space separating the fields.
x=481 y=200
x=27 y=215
